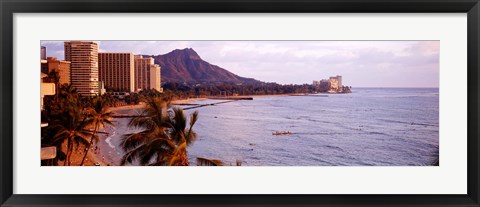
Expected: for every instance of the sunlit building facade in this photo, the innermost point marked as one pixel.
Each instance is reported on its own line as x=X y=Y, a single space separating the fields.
x=60 y=66
x=147 y=74
x=155 y=78
x=83 y=58
x=116 y=71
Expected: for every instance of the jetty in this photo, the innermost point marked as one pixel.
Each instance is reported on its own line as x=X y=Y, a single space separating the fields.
x=190 y=106
x=227 y=99
x=209 y=104
x=232 y=98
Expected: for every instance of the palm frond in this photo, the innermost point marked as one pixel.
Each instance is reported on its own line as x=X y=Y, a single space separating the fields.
x=191 y=136
x=208 y=162
x=160 y=146
x=60 y=136
x=133 y=154
x=81 y=140
x=131 y=141
x=142 y=122
x=193 y=119
x=163 y=139
x=179 y=157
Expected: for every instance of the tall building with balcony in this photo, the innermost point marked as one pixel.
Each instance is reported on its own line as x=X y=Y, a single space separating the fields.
x=61 y=66
x=155 y=78
x=116 y=71
x=83 y=58
x=147 y=74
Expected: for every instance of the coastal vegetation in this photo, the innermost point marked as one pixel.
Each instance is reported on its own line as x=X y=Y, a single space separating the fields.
x=69 y=119
x=185 y=90
x=71 y=123
x=99 y=116
x=68 y=122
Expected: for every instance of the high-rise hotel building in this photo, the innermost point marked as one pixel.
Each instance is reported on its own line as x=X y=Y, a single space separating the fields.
x=116 y=71
x=147 y=74
x=83 y=58
x=155 y=78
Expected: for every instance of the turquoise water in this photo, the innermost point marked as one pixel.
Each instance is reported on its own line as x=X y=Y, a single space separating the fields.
x=371 y=126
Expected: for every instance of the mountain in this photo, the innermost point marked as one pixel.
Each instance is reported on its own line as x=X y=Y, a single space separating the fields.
x=187 y=66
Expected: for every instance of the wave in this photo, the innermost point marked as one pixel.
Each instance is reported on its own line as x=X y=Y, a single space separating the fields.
x=109 y=140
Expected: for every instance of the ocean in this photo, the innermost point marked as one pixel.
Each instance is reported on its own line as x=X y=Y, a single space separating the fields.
x=369 y=127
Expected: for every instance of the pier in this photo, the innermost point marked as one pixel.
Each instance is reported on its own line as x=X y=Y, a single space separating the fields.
x=236 y=98
x=210 y=104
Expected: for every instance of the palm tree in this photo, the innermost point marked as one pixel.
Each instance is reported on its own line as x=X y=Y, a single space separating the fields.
x=71 y=125
x=163 y=140
x=67 y=91
x=182 y=136
x=99 y=116
x=152 y=141
x=54 y=76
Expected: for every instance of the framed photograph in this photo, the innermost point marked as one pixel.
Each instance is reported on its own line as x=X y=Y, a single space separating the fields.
x=236 y=103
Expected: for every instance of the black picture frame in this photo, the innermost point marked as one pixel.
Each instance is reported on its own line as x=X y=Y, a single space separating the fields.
x=10 y=7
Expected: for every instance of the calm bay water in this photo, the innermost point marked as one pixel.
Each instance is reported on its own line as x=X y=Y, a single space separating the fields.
x=371 y=126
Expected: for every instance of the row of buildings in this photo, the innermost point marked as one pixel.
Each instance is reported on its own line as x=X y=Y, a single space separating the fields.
x=332 y=85
x=90 y=71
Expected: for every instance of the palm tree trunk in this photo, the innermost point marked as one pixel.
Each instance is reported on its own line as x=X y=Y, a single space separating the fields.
x=67 y=157
x=89 y=144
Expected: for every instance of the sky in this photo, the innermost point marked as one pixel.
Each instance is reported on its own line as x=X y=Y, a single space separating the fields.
x=361 y=63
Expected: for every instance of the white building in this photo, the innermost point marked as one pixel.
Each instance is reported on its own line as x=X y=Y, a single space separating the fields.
x=147 y=74
x=83 y=58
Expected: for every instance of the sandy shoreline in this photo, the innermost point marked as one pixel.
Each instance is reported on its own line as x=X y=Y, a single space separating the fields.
x=184 y=101
x=105 y=152
x=117 y=108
